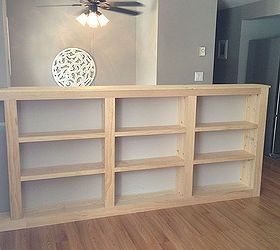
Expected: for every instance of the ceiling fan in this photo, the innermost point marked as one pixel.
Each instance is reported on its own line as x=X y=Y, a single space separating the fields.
x=93 y=17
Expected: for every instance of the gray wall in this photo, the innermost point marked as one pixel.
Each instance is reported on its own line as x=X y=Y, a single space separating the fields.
x=183 y=27
x=168 y=56
x=4 y=71
x=146 y=44
x=229 y=27
x=4 y=82
x=252 y=30
x=37 y=34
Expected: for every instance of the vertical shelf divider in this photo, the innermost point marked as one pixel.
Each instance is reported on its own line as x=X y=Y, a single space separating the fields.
x=260 y=137
x=110 y=125
x=11 y=121
x=186 y=145
x=255 y=111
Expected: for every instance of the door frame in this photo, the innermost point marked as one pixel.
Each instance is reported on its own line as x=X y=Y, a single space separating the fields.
x=6 y=81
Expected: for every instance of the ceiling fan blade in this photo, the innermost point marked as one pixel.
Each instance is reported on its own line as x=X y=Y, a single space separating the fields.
x=126 y=4
x=124 y=11
x=62 y=5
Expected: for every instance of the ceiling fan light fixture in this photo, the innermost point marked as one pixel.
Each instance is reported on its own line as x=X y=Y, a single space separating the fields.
x=103 y=20
x=92 y=20
x=82 y=19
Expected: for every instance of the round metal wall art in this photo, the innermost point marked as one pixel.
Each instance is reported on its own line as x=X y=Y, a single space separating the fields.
x=73 y=67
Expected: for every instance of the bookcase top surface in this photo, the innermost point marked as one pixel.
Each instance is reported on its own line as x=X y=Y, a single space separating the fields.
x=128 y=91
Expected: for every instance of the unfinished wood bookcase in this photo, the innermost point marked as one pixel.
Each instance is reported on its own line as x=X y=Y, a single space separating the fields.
x=253 y=126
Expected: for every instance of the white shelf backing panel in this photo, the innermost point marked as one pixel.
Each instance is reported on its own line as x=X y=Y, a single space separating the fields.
x=146 y=181
x=209 y=142
x=131 y=148
x=38 y=194
x=220 y=109
x=66 y=115
x=46 y=154
x=143 y=112
x=216 y=174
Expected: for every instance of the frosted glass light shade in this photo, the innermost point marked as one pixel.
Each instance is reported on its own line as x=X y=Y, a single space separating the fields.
x=103 y=20
x=92 y=20
x=82 y=19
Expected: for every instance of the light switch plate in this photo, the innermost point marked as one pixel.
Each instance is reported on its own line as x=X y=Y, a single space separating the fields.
x=202 y=51
x=199 y=76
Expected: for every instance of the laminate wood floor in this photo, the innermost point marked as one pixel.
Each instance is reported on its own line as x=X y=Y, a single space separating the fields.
x=241 y=224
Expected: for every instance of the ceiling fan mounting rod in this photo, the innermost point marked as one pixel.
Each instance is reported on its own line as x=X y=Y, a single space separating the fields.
x=93 y=8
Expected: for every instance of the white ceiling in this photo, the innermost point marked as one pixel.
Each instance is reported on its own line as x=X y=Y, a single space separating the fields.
x=224 y=4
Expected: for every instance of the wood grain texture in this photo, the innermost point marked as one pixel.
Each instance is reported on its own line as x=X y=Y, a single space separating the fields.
x=252 y=223
x=110 y=125
x=149 y=163
x=250 y=139
x=261 y=120
x=227 y=156
x=186 y=145
x=254 y=126
x=11 y=120
x=225 y=126
x=152 y=130
x=54 y=172
x=220 y=189
x=62 y=136
x=57 y=93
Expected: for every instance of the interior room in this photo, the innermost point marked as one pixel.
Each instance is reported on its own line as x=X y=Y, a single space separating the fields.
x=146 y=124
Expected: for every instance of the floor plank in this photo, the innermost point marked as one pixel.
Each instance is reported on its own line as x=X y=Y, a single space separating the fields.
x=240 y=224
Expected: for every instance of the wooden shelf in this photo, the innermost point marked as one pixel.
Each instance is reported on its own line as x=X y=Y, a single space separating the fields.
x=62 y=136
x=155 y=197
x=221 y=189
x=222 y=126
x=153 y=130
x=187 y=110
x=227 y=156
x=150 y=163
x=46 y=173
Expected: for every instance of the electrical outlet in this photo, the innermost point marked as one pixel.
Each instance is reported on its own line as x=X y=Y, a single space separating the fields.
x=202 y=51
x=199 y=76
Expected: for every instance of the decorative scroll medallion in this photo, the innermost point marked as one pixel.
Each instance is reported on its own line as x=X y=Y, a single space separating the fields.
x=73 y=67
